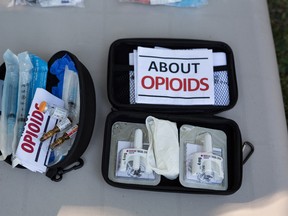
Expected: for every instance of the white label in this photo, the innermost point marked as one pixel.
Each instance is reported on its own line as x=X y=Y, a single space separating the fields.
x=64 y=123
x=123 y=166
x=195 y=163
x=207 y=168
x=59 y=113
x=72 y=131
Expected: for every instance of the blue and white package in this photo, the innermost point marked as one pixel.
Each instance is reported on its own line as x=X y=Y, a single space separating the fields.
x=176 y=3
x=189 y=3
x=58 y=3
x=48 y=3
x=9 y=103
x=39 y=75
x=25 y=76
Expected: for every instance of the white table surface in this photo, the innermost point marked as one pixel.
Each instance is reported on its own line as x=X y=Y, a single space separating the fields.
x=88 y=33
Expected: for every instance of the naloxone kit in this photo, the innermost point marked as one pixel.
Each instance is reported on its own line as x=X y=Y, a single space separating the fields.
x=162 y=134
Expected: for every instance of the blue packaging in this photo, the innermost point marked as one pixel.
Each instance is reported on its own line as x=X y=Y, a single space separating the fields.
x=39 y=75
x=58 y=69
x=189 y=3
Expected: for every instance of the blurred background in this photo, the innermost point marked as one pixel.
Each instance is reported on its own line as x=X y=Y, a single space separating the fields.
x=279 y=21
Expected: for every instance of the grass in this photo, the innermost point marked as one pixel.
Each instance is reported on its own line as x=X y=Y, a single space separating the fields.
x=279 y=21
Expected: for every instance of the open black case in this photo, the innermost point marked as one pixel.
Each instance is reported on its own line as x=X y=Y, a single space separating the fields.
x=198 y=115
x=72 y=160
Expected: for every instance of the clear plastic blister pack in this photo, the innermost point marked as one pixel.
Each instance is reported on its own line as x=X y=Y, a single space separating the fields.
x=128 y=164
x=203 y=158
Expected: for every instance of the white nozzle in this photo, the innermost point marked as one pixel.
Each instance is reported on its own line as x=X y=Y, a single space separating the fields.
x=206 y=140
x=138 y=144
x=207 y=147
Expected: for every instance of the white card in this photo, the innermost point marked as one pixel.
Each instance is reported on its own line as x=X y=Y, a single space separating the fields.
x=182 y=77
x=31 y=152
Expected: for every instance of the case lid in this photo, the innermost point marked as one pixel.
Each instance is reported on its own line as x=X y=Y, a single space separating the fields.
x=120 y=80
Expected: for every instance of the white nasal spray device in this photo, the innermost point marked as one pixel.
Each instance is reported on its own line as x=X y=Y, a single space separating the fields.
x=206 y=166
x=138 y=144
x=135 y=155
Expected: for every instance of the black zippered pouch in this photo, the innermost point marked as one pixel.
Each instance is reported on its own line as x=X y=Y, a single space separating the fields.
x=196 y=115
x=72 y=160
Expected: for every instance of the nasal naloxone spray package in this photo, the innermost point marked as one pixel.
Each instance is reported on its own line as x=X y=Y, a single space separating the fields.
x=60 y=97
x=162 y=134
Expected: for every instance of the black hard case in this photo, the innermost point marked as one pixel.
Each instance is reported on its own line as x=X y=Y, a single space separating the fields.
x=86 y=120
x=200 y=115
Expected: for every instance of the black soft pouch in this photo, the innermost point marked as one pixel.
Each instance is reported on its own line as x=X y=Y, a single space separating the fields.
x=196 y=115
x=72 y=160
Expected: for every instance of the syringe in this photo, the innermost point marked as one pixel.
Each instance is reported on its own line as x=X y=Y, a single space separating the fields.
x=72 y=98
x=25 y=66
x=23 y=108
x=11 y=111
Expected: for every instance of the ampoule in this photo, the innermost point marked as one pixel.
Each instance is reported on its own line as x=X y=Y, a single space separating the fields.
x=60 y=126
x=67 y=135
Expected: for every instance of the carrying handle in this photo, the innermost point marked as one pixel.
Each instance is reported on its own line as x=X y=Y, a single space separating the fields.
x=247 y=151
x=58 y=176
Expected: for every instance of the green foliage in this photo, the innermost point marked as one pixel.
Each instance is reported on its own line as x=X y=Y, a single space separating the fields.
x=284 y=85
x=279 y=21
